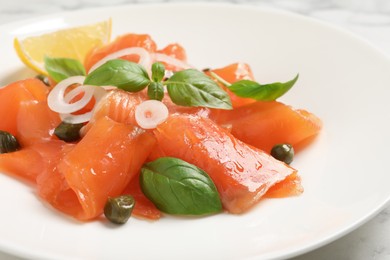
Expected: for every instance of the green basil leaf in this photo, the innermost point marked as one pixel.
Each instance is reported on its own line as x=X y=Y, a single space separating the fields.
x=62 y=68
x=267 y=92
x=158 y=71
x=156 y=91
x=123 y=74
x=194 y=89
x=177 y=187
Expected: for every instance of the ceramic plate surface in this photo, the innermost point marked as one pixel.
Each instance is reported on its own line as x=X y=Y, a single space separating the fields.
x=343 y=80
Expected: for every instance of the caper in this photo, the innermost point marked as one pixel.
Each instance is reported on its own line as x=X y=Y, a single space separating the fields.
x=283 y=152
x=68 y=132
x=44 y=79
x=8 y=143
x=118 y=210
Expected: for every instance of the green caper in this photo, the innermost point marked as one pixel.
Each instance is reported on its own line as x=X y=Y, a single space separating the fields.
x=118 y=210
x=44 y=79
x=68 y=132
x=8 y=143
x=283 y=152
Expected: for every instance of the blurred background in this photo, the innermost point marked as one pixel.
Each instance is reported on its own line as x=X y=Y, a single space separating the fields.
x=369 y=19
x=365 y=17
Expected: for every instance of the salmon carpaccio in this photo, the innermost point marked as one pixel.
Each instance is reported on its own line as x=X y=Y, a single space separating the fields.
x=241 y=173
x=231 y=146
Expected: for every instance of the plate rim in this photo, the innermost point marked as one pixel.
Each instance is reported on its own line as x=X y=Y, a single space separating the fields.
x=19 y=251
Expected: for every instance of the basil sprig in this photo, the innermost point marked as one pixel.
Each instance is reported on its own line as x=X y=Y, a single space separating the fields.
x=193 y=88
x=156 y=91
x=62 y=68
x=265 y=92
x=177 y=187
x=123 y=74
x=158 y=71
x=186 y=88
x=156 y=88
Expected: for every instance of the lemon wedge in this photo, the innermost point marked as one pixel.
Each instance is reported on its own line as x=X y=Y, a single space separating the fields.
x=72 y=43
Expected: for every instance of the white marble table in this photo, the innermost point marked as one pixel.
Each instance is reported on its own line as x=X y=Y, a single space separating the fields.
x=368 y=18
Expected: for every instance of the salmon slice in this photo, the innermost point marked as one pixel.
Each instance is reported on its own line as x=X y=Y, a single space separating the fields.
x=118 y=105
x=122 y=42
x=241 y=173
x=143 y=208
x=26 y=164
x=32 y=161
x=101 y=165
x=36 y=123
x=291 y=186
x=265 y=124
x=12 y=95
x=232 y=73
x=173 y=108
x=176 y=51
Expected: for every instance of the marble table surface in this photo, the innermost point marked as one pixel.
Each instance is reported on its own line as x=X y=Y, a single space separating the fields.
x=369 y=19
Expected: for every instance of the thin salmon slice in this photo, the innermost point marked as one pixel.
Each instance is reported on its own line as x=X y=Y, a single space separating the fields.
x=101 y=165
x=36 y=123
x=118 y=105
x=122 y=42
x=26 y=164
x=232 y=73
x=241 y=173
x=143 y=208
x=291 y=186
x=32 y=161
x=12 y=95
x=265 y=124
x=176 y=51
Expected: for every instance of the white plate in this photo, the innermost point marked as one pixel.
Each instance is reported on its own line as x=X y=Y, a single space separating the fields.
x=342 y=79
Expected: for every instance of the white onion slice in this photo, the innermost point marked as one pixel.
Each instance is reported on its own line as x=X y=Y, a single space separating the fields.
x=149 y=114
x=56 y=100
x=171 y=60
x=97 y=92
x=76 y=91
x=76 y=119
x=144 y=57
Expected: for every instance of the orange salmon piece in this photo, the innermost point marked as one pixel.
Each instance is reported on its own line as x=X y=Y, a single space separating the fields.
x=100 y=166
x=12 y=95
x=118 y=105
x=26 y=164
x=241 y=173
x=122 y=42
x=232 y=73
x=36 y=122
x=30 y=162
x=265 y=124
x=176 y=51
x=291 y=186
x=143 y=208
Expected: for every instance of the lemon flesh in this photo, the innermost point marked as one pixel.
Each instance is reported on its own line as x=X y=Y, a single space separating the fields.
x=72 y=43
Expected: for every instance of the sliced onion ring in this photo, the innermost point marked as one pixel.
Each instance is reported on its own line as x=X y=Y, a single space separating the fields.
x=76 y=91
x=149 y=114
x=144 y=57
x=171 y=60
x=76 y=119
x=97 y=92
x=56 y=100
